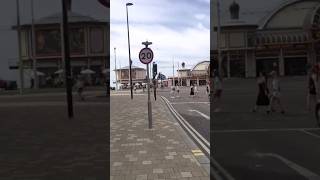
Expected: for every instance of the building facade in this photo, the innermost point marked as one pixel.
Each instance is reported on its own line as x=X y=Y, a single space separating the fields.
x=284 y=39
x=198 y=75
x=89 y=47
x=138 y=76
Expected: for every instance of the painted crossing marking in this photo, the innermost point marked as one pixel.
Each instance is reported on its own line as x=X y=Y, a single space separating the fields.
x=263 y=130
x=202 y=114
x=311 y=134
x=301 y=170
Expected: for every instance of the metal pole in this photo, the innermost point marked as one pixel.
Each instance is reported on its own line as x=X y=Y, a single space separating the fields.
x=149 y=102
x=67 y=57
x=33 y=37
x=130 y=61
x=218 y=39
x=19 y=49
x=173 y=83
x=115 y=68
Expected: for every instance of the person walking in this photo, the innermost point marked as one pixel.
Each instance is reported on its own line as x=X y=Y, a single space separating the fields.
x=275 y=93
x=192 y=91
x=172 y=92
x=217 y=86
x=263 y=93
x=312 y=90
x=196 y=91
x=178 y=92
x=80 y=87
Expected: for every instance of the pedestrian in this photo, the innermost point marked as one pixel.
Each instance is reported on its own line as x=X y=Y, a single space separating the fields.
x=172 y=91
x=196 y=92
x=217 y=85
x=207 y=90
x=80 y=87
x=192 y=91
x=312 y=89
x=263 y=93
x=275 y=93
x=178 y=91
x=135 y=89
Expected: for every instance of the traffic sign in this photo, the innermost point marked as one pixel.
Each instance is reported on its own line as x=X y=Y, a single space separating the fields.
x=146 y=55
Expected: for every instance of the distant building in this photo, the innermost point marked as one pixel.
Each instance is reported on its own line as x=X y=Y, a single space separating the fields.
x=198 y=75
x=89 y=46
x=138 y=75
x=279 y=35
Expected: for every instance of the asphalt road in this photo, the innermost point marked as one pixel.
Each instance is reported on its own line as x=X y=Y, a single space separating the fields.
x=195 y=110
x=38 y=141
x=260 y=146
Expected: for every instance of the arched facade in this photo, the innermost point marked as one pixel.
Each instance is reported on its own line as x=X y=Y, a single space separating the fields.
x=286 y=40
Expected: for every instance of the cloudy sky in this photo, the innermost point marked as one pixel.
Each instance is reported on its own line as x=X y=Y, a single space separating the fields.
x=178 y=29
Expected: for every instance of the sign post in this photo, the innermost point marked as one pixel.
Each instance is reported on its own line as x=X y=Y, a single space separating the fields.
x=146 y=56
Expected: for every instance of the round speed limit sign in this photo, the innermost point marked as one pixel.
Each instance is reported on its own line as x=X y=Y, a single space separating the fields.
x=146 y=55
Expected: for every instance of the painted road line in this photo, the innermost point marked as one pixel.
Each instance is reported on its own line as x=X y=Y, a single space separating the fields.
x=205 y=145
x=216 y=170
x=202 y=114
x=311 y=134
x=263 y=130
x=127 y=94
x=173 y=103
x=301 y=170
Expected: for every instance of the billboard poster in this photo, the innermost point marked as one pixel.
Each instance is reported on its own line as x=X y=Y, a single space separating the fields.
x=96 y=40
x=48 y=42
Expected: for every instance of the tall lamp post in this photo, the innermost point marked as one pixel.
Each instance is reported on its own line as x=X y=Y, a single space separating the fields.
x=19 y=48
x=218 y=39
x=130 y=61
x=66 y=6
x=115 y=67
x=33 y=37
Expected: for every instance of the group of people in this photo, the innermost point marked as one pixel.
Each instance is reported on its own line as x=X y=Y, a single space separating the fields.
x=269 y=94
x=194 y=91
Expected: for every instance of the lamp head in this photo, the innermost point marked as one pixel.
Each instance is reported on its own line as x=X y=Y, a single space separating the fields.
x=129 y=4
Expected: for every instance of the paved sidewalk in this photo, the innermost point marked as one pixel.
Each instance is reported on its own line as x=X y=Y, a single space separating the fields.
x=137 y=153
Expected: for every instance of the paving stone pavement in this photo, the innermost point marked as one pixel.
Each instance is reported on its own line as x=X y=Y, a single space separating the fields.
x=138 y=153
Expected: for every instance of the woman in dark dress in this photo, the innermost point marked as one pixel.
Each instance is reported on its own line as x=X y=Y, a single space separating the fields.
x=263 y=93
x=312 y=90
x=192 y=91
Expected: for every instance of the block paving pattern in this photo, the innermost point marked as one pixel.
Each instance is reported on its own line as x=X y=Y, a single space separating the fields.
x=138 y=153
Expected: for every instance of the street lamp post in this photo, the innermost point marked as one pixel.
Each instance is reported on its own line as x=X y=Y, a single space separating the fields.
x=33 y=37
x=19 y=48
x=66 y=53
x=130 y=61
x=115 y=67
x=218 y=39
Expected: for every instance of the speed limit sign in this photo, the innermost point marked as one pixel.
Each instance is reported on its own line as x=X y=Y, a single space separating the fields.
x=146 y=55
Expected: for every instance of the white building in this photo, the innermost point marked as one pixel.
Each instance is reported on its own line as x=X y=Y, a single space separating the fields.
x=138 y=75
x=198 y=75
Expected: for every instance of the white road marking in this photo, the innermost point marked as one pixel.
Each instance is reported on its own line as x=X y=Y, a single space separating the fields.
x=202 y=114
x=311 y=134
x=301 y=170
x=190 y=102
x=127 y=94
x=263 y=130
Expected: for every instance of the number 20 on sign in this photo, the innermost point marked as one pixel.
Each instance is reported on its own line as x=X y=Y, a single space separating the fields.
x=146 y=55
